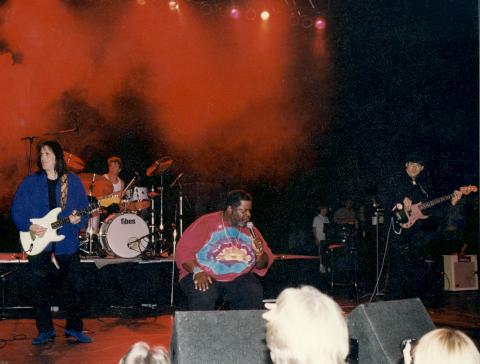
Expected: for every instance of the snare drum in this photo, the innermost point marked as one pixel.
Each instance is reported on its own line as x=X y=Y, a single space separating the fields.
x=125 y=236
x=137 y=199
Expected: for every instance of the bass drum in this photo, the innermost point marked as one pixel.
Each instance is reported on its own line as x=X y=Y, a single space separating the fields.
x=125 y=236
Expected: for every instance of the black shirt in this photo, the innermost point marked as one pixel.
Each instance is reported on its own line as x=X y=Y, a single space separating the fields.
x=52 y=193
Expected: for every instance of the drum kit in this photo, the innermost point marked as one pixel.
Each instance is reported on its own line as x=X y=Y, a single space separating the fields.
x=128 y=227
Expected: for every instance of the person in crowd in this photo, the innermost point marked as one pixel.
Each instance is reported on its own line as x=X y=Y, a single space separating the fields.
x=141 y=353
x=306 y=326
x=442 y=346
x=345 y=215
x=219 y=256
x=319 y=226
x=50 y=187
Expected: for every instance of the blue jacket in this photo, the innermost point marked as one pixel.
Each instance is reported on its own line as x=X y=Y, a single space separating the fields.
x=31 y=201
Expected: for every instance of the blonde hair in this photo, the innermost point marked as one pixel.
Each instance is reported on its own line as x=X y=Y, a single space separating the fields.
x=140 y=353
x=306 y=326
x=446 y=346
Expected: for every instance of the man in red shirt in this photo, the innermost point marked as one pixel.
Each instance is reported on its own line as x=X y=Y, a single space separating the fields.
x=219 y=256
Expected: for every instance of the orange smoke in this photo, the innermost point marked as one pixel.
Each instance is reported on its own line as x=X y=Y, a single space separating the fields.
x=217 y=93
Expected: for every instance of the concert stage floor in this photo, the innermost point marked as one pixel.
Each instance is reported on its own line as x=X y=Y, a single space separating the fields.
x=114 y=335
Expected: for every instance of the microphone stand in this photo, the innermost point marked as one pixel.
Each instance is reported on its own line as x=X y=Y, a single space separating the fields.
x=377 y=215
x=32 y=138
x=30 y=142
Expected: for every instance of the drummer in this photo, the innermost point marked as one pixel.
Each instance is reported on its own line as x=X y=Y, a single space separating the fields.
x=115 y=165
x=114 y=168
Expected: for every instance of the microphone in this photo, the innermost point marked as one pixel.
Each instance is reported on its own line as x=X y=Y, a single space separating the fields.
x=250 y=227
x=176 y=179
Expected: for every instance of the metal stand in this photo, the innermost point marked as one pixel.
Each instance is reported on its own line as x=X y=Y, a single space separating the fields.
x=161 y=227
x=173 y=265
x=378 y=214
x=152 y=226
x=351 y=277
x=30 y=143
x=4 y=278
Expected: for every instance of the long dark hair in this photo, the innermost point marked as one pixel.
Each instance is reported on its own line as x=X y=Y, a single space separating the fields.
x=60 y=164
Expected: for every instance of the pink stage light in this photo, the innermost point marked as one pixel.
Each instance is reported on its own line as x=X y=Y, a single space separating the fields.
x=235 y=13
x=320 y=24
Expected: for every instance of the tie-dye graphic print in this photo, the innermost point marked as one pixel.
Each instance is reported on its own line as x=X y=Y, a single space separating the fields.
x=227 y=252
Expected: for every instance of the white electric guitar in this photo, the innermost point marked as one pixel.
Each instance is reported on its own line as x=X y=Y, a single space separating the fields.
x=33 y=244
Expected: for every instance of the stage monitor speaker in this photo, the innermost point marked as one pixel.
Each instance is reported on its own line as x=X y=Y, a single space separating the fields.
x=219 y=337
x=460 y=272
x=380 y=328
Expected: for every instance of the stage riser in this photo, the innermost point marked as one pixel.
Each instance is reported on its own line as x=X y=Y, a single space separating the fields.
x=135 y=283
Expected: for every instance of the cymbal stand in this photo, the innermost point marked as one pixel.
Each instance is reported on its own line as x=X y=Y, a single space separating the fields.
x=173 y=264
x=91 y=220
x=180 y=208
x=161 y=227
x=152 y=226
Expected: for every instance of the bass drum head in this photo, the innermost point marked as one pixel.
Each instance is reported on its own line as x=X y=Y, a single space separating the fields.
x=125 y=236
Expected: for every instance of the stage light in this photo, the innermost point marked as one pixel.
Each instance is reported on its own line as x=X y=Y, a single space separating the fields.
x=235 y=13
x=307 y=22
x=320 y=24
x=141 y=2
x=265 y=15
x=173 y=5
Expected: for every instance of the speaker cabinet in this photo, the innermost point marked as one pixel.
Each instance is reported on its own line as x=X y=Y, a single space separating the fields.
x=460 y=272
x=219 y=337
x=380 y=328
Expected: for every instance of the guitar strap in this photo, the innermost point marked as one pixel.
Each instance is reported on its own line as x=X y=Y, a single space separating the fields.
x=64 y=191
x=63 y=203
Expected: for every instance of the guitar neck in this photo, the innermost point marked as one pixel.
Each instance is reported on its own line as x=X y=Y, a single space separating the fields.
x=64 y=220
x=426 y=205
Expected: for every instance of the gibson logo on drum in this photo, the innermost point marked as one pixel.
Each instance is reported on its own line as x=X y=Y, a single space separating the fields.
x=125 y=221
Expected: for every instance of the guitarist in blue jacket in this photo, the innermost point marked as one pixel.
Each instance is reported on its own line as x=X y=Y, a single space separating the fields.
x=50 y=187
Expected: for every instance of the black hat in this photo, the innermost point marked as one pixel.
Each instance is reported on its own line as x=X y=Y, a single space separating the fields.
x=415 y=157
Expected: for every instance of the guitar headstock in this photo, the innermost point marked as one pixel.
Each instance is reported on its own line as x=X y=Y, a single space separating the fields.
x=108 y=200
x=468 y=189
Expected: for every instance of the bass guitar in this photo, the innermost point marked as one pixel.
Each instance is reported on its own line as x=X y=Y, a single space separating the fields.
x=406 y=219
x=33 y=244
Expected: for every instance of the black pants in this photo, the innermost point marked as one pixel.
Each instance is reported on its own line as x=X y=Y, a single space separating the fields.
x=405 y=275
x=65 y=283
x=243 y=293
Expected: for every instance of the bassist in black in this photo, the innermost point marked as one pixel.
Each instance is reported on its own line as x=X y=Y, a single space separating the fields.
x=410 y=273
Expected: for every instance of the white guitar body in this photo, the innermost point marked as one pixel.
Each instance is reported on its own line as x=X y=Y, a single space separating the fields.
x=33 y=244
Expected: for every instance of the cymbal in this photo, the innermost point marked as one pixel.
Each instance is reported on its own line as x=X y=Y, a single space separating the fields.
x=74 y=163
x=101 y=185
x=159 y=166
x=153 y=194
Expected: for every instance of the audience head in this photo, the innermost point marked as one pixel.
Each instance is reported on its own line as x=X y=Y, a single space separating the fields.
x=140 y=353
x=306 y=326
x=446 y=346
